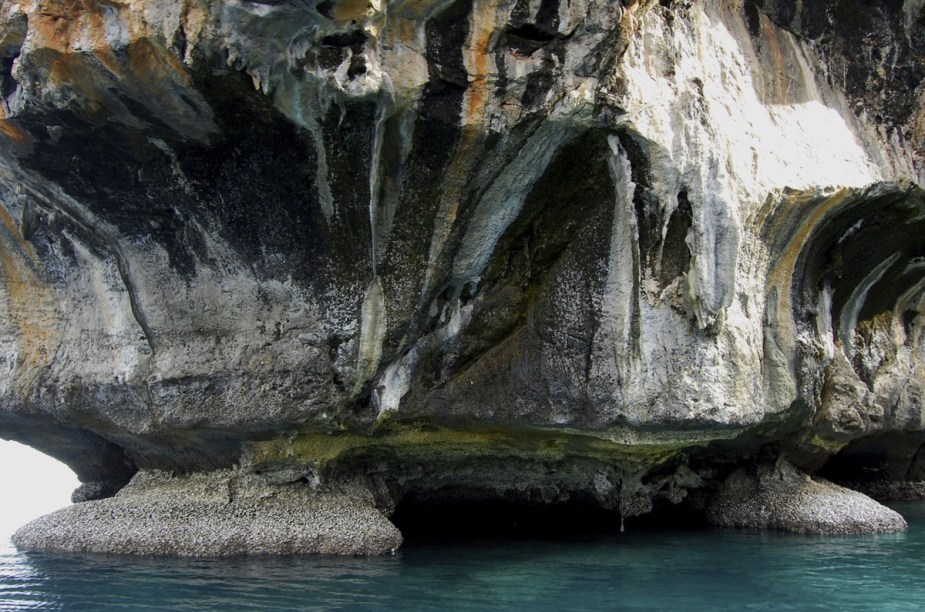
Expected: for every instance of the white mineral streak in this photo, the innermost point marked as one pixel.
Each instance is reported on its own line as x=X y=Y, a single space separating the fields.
x=852 y=307
x=403 y=48
x=388 y=199
x=305 y=106
x=395 y=382
x=504 y=198
x=373 y=325
x=644 y=367
x=397 y=378
x=912 y=298
x=824 y=321
x=615 y=360
x=117 y=34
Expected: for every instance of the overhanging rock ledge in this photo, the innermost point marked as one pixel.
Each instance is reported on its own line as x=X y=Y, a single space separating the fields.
x=317 y=258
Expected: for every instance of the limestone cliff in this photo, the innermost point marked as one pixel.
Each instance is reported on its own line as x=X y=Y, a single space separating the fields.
x=532 y=249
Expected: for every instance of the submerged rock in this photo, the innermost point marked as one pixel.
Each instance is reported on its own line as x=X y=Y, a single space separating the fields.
x=514 y=250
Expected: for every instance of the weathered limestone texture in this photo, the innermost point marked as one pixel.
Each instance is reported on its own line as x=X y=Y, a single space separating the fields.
x=511 y=249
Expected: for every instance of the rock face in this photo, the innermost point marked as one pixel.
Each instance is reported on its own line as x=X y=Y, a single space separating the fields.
x=527 y=249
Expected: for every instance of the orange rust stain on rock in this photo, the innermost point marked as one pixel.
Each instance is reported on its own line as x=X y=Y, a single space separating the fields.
x=54 y=31
x=63 y=25
x=178 y=68
x=107 y=58
x=478 y=63
x=785 y=263
x=76 y=71
x=56 y=24
x=155 y=63
x=352 y=10
x=482 y=24
x=777 y=72
x=12 y=131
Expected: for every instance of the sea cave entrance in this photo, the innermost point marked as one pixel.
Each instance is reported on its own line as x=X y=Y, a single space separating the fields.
x=33 y=484
x=460 y=515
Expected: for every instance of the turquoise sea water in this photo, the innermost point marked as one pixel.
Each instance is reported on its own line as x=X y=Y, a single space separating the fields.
x=661 y=570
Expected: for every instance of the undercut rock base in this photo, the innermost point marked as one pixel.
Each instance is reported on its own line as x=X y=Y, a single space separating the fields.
x=782 y=497
x=215 y=514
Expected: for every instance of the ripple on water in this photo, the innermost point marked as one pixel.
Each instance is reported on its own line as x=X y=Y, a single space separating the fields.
x=690 y=570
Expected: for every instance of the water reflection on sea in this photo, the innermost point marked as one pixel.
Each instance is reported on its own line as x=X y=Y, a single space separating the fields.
x=664 y=569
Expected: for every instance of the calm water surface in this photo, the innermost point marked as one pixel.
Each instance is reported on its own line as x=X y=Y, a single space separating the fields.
x=689 y=570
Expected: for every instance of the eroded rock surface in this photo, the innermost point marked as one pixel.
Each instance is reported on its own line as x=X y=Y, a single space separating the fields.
x=217 y=514
x=526 y=248
x=781 y=497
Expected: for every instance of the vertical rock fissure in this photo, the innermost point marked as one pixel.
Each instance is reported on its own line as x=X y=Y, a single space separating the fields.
x=125 y=274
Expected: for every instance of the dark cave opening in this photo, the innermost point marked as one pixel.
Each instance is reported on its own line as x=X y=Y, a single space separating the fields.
x=878 y=458
x=428 y=518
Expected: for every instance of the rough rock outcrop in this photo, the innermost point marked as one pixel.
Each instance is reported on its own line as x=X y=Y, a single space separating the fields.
x=784 y=498
x=216 y=514
x=520 y=248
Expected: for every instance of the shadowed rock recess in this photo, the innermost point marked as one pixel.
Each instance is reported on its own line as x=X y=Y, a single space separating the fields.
x=271 y=270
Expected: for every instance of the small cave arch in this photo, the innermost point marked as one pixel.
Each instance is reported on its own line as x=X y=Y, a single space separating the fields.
x=866 y=254
x=466 y=514
x=101 y=466
x=33 y=483
x=889 y=466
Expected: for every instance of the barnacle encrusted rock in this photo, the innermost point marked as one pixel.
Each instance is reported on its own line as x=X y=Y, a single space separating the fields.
x=216 y=514
x=781 y=497
x=503 y=249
